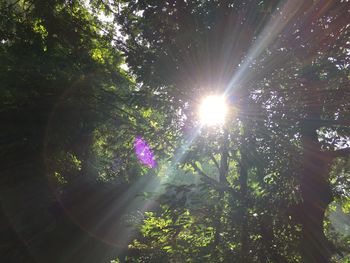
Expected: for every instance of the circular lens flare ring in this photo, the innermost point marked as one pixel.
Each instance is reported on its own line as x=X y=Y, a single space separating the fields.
x=213 y=110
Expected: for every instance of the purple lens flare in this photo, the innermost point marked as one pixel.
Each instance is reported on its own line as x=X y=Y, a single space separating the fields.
x=144 y=152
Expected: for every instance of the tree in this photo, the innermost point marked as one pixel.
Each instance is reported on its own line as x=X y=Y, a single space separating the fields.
x=58 y=74
x=187 y=48
x=255 y=189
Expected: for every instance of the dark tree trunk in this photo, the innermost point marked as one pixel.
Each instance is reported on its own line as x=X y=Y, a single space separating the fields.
x=243 y=180
x=244 y=166
x=316 y=195
x=223 y=173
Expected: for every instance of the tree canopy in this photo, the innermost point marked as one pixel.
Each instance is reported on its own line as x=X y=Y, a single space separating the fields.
x=105 y=158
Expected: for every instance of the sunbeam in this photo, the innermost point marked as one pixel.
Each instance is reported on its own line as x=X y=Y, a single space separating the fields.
x=278 y=22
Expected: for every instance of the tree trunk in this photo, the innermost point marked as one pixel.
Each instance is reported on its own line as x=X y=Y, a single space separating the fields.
x=316 y=194
x=243 y=180
x=223 y=172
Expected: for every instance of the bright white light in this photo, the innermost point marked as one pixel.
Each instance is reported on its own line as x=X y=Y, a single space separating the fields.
x=212 y=110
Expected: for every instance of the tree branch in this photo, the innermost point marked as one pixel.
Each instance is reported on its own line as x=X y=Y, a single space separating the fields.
x=214 y=160
x=218 y=186
x=206 y=178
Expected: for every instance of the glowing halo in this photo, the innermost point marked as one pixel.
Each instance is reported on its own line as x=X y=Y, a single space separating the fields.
x=213 y=110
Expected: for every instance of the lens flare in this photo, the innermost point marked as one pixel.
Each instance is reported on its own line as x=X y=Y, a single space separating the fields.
x=213 y=110
x=144 y=153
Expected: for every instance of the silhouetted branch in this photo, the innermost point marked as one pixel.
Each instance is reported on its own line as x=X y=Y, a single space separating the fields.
x=214 y=183
x=205 y=177
x=214 y=160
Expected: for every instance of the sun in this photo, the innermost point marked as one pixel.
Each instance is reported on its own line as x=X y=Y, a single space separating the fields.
x=213 y=110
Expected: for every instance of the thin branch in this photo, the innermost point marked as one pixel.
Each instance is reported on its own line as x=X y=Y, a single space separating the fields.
x=214 y=160
x=217 y=185
x=205 y=177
